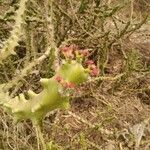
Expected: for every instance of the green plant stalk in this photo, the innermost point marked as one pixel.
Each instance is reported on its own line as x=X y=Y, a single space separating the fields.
x=40 y=137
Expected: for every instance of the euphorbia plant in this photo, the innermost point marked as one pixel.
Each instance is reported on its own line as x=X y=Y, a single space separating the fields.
x=56 y=90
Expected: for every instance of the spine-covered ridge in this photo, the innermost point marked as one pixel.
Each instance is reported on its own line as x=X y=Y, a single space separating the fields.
x=12 y=41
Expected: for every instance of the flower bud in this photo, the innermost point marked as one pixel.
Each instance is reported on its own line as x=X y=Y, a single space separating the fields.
x=59 y=78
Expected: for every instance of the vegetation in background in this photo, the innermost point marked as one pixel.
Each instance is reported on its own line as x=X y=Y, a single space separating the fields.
x=32 y=33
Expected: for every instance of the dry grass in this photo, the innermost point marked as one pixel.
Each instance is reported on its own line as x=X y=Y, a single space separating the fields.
x=105 y=115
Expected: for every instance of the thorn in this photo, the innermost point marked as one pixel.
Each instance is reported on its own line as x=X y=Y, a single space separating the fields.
x=13 y=52
x=35 y=108
x=16 y=110
x=31 y=94
x=22 y=98
x=6 y=105
x=44 y=82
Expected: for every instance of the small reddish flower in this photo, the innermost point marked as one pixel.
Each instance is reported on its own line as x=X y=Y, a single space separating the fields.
x=59 y=78
x=73 y=47
x=91 y=67
x=64 y=49
x=84 y=52
x=64 y=84
x=71 y=85
x=67 y=51
x=94 y=72
x=90 y=62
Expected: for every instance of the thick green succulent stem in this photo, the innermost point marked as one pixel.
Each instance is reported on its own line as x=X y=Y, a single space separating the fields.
x=53 y=96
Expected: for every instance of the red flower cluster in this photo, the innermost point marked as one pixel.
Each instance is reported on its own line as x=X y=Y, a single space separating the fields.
x=90 y=62
x=94 y=71
x=67 y=52
x=70 y=86
x=84 y=52
x=72 y=50
x=66 y=85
